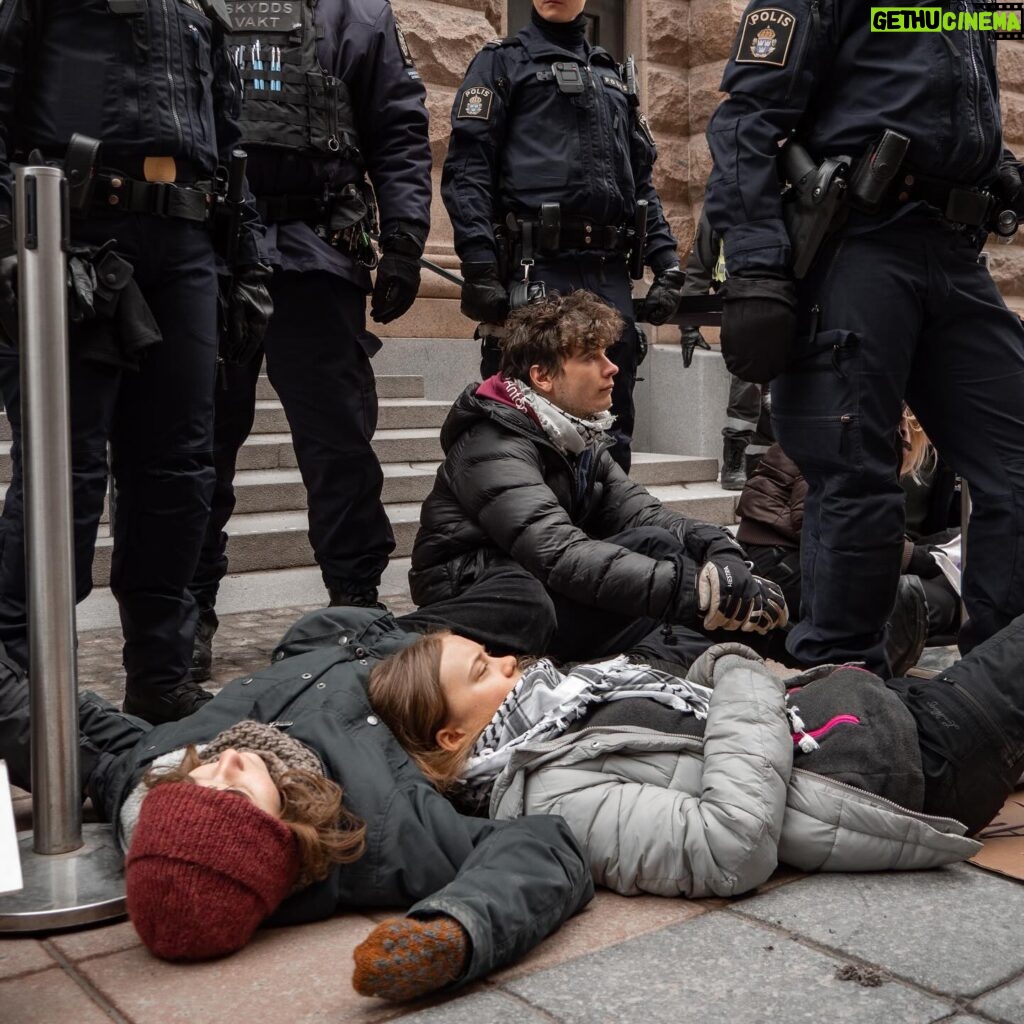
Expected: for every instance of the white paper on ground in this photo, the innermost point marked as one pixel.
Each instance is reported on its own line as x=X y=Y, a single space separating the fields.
x=10 y=861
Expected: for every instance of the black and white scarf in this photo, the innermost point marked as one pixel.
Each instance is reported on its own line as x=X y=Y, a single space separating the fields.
x=570 y=434
x=545 y=702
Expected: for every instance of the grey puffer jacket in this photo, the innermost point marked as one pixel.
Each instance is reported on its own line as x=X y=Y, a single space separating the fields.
x=676 y=815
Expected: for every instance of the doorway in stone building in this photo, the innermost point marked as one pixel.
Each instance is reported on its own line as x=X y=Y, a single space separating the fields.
x=606 y=22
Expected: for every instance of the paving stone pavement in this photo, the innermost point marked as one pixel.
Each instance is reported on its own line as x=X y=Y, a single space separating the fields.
x=914 y=948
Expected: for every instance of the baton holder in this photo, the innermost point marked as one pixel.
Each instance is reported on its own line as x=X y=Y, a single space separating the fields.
x=72 y=875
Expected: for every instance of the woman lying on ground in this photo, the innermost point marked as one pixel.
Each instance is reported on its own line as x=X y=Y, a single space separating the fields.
x=285 y=798
x=700 y=787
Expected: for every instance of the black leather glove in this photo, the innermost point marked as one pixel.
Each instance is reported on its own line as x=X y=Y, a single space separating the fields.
x=398 y=282
x=733 y=598
x=689 y=339
x=247 y=314
x=758 y=326
x=484 y=295
x=1009 y=186
x=662 y=298
x=9 y=300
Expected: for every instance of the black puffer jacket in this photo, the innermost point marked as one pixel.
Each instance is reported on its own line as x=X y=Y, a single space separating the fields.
x=504 y=490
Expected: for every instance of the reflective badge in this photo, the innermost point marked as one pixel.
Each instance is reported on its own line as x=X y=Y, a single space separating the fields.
x=404 y=47
x=641 y=120
x=476 y=102
x=766 y=37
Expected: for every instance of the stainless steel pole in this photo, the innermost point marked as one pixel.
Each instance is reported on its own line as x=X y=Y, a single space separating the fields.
x=56 y=792
x=72 y=874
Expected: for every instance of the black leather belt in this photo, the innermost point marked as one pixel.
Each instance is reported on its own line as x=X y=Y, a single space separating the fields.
x=114 y=192
x=574 y=233
x=275 y=209
x=959 y=204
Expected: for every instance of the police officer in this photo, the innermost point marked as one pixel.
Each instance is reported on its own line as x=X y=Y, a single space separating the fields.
x=548 y=158
x=154 y=84
x=894 y=305
x=330 y=96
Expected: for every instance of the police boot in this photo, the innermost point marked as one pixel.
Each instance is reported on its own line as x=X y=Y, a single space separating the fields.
x=169 y=706
x=355 y=598
x=907 y=628
x=734 y=475
x=202 y=645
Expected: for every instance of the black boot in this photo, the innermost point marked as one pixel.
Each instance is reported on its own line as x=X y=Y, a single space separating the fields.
x=202 y=645
x=169 y=706
x=907 y=628
x=734 y=475
x=355 y=598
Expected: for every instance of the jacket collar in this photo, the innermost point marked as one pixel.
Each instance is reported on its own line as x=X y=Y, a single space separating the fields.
x=538 y=47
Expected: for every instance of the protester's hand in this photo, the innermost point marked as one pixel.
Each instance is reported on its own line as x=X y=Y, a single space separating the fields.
x=758 y=326
x=484 y=295
x=690 y=338
x=922 y=564
x=249 y=308
x=396 y=287
x=733 y=598
x=404 y=958
x=662 y=298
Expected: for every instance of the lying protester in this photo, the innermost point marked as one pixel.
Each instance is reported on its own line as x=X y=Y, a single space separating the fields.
x=701 y=786
x=537 y=531
x=285 y=800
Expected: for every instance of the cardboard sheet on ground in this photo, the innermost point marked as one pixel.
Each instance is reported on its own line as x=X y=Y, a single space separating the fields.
x=1003 y=851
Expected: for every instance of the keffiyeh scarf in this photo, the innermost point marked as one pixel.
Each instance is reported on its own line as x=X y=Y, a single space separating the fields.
x=545 y=702
x=570 y=434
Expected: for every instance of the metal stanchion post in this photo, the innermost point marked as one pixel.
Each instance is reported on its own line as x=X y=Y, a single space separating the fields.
x=965 y=519
x=72 y=874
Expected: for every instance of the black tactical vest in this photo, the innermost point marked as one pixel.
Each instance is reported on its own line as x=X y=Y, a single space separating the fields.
x=288 y=100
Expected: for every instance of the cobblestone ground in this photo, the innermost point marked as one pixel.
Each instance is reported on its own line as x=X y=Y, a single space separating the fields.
x=244 y=642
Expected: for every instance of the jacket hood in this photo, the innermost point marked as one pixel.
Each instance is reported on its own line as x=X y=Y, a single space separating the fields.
x=484 y=401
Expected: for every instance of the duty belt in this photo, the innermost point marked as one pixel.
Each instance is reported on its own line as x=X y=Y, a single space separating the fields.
x=115 y=192
x=275 y=209
x=574 y=233
x=959 y=204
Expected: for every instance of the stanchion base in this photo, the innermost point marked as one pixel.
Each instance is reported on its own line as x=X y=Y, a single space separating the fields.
x=66 y=889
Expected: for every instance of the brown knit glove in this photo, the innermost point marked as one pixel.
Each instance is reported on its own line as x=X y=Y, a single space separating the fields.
x=404 y=958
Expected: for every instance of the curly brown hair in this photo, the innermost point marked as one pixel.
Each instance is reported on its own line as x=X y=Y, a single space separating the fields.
x=325 y=831
x=547 y=332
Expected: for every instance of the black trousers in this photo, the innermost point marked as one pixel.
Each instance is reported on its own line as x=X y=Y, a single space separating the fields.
x=970 y=724
x=318 y=364
x=159 y=423
x=609 y=280
x=890 y=312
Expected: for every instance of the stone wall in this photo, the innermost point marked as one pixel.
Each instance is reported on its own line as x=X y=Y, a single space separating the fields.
x=681 y=47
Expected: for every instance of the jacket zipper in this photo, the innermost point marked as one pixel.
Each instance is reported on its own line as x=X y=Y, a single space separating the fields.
x=975 y=90
x=982 y=713
x=812 y=29
x=170 y=73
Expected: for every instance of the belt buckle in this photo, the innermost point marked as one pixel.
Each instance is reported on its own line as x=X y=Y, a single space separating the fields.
x=159 y=197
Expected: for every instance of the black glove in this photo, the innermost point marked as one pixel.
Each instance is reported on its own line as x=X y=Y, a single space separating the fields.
x=733 y=598
x=398 y=281
x=484 y=295
x=922 y=564
x=758 y=326
x=247 y=314
x=689 y=339
x=9 y=300
x=662 y=298
x=1009 y=187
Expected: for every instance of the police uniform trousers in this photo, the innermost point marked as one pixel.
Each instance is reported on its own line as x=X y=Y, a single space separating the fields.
x=608 y=279
x=159 y=423
x=317 y=364
x=894 y=309
x=747 y=416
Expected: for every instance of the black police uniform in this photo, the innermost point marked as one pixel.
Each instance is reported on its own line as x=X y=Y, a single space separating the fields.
x=896 y=303
x=544 y=117
x=150 y=81
x=348 y=102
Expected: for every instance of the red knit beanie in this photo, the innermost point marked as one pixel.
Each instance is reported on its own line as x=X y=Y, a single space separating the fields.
x=204 y=869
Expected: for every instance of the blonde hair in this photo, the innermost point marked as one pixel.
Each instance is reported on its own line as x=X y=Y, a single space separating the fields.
x=918 y=451
x=311 y=806
x=405 y=690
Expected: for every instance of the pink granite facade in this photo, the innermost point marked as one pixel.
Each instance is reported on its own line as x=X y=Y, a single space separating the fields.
x=681 y=47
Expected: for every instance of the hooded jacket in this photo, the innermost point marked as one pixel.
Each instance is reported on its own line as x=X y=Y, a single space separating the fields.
x=675 y=814
x=508 y=885
x=505 y=491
